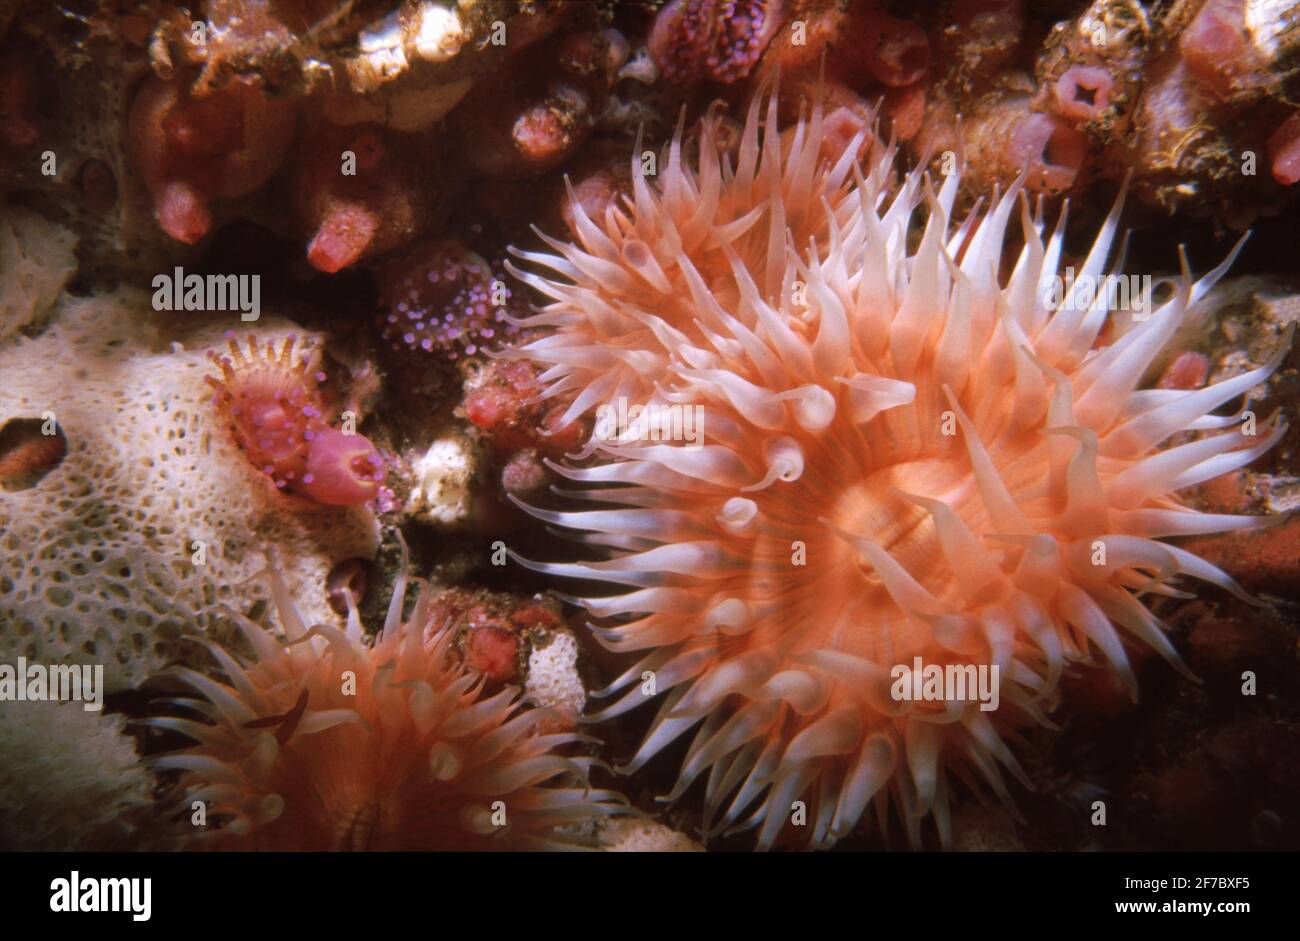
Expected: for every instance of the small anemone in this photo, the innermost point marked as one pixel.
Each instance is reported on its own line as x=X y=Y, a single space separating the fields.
x=322 y=741
x=273 y=406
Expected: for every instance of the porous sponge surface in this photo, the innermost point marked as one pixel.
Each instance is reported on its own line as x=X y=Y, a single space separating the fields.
x=553 y=681
x=97 y=560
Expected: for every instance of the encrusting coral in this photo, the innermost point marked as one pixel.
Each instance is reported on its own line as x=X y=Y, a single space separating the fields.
x=173 y=121
x=1186 y=97
x=324 y=742
x=907 y=454
x=1212 y=106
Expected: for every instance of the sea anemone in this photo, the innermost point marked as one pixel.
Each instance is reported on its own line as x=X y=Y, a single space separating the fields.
x=273 y=405
x=911 y=449
x=327 y=742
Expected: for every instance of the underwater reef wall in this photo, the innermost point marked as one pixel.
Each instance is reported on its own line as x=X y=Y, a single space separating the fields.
x=649 y=426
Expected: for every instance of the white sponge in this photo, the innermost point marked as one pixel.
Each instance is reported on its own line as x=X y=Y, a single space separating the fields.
x=553 y=680
x=98 y=559
x=70 y=779
x=443 y=475
x=634 y=835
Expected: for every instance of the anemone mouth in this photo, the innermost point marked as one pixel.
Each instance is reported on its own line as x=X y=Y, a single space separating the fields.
x=356 y=828
x=882 y=505
x=885 y=507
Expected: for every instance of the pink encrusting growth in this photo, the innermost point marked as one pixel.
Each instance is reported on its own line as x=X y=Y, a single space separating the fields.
x=1217 y=48
x=325 y=741
x=1052 y=150
x=275 y=411
x=1284 y=151
x=191 y=151
x=382 y=199
x=906 y=454
x=715 y=40
x=898 y=50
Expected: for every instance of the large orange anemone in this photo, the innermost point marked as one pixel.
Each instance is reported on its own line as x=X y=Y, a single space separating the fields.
x=326 y=742
x=910 y=450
